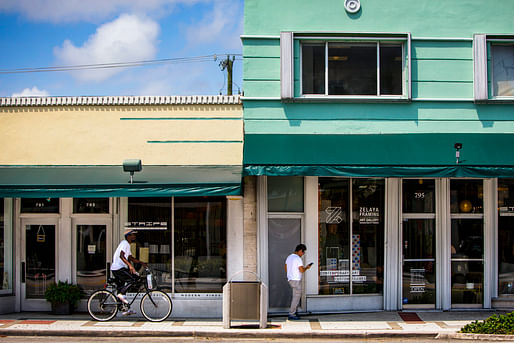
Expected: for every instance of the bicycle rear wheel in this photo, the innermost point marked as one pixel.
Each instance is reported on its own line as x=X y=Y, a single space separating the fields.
x=156 y=306
x=102 y=305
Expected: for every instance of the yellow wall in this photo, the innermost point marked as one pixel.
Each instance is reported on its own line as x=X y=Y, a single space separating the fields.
x=101 y=135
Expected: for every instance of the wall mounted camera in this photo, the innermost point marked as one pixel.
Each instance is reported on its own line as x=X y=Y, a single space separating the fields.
x=132 y=166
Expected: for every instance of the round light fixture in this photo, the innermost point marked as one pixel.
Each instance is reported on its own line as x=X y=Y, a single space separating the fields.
x=465 y=206
x=352 y=6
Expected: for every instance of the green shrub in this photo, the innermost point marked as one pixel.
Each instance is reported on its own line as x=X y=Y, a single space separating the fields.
x=496 y=325
x=63 y=292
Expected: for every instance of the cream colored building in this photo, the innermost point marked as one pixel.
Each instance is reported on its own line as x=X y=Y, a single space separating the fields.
x=66 y=198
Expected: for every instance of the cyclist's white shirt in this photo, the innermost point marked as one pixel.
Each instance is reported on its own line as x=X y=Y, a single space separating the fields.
x=117 y=262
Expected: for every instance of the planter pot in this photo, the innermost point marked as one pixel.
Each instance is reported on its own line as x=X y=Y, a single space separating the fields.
x=62 y=308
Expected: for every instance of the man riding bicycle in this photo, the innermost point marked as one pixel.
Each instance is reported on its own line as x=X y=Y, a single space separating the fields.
x=122 y=268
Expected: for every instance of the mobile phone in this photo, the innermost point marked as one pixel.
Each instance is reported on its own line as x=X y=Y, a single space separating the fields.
x=310 y=264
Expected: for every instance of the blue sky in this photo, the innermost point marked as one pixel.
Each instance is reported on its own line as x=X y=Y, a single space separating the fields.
x=46 y=33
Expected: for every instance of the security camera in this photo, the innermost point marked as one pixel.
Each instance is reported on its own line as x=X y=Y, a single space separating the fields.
x=132 y=166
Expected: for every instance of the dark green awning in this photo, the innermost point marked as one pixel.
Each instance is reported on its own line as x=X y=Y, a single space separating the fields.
x=111 y=181
x=383 y=155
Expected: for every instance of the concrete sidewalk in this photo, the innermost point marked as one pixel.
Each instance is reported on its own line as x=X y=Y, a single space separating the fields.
x=441 y=325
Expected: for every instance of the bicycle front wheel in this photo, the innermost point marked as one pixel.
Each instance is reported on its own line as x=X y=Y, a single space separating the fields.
x=102 y=305
x=156 y=306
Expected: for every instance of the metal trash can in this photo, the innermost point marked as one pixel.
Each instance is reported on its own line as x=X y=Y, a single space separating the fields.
x=245 y=300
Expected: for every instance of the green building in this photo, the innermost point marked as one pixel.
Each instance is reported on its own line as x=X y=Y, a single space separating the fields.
x=379 y=133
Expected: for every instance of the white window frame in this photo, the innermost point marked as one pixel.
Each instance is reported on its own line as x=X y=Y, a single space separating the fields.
x=483 y=68
x=289 y=40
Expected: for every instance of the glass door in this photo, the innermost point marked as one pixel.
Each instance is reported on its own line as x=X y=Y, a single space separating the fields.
x=418 y=244
x=38 y=263
x=284 y=234
x=467 y=243
x=91 y=256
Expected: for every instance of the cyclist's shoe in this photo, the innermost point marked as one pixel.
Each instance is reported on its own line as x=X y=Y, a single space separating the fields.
x=128 y=313
x=122 y=298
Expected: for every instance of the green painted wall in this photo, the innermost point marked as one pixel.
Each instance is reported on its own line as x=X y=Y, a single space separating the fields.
x=442 y=68
x=426 y=18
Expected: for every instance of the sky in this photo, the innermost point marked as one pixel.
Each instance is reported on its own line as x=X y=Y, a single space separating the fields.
x=58 y=33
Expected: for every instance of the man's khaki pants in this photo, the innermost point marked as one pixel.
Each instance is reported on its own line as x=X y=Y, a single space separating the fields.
x=296 y=288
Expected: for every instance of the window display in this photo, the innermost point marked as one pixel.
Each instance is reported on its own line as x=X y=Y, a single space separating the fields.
x=358 y=248
x=6 y=251
x=506 y=236
x=199 y=241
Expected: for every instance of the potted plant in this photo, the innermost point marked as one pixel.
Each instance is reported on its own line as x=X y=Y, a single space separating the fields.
x=63 y=296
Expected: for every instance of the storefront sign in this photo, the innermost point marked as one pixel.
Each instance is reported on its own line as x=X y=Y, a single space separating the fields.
x=417 y=280
x=146 y=225
x=360 y=278
x=338 y=272
x=334 y=215
x=369 y=216
x=507 y=211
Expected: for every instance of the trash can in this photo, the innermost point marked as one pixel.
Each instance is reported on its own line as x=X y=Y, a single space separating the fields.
x=245 y=301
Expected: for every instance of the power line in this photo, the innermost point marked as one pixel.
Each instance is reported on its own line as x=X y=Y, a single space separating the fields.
x=178 y=60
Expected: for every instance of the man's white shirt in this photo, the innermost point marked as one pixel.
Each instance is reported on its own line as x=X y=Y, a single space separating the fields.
x=117 y=262
x=293 y=263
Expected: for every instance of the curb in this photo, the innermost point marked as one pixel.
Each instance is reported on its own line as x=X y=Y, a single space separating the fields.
x=217 y=334
x=476 y=337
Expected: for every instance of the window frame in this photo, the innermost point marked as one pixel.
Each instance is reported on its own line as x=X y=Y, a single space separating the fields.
x=483 y=82
x=490 y=64
x=402 y=39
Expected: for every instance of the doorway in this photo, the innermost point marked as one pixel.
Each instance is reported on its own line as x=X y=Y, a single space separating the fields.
x=38 y=266
x=284 y=234
x=419 y=244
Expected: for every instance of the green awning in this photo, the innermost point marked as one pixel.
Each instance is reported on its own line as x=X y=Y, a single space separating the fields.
x=381 y=155
x=111 y=181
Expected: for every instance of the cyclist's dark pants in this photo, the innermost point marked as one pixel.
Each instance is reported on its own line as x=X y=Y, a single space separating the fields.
x=124 y=279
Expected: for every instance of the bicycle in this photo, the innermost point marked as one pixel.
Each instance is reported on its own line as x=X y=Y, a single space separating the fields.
x=155 y=305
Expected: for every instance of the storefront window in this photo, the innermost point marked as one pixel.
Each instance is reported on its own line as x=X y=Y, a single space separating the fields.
x=200 y=254
x=91 y=256
x=467 y=196
x=506 y=236
x=285 y=193
x=91 y=205
x=358 y=248
x=368 y=199
x=6 y=252
x=40 y=205
x=152 y=217
x=419 y=196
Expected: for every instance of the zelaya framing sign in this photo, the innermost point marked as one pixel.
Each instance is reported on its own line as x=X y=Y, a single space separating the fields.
x=369 y=215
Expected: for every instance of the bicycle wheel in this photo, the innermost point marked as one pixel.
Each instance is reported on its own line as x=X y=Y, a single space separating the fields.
x=156 y=306
x=102 y=305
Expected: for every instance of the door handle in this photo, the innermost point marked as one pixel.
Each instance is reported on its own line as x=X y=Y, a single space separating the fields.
x=23 y=272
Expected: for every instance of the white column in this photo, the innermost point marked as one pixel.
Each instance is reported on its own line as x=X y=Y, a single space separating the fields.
x=392 y=250
x=235 y=247
x=490 y=242
x=64 y=261
x=311 y=233
x=443 y=242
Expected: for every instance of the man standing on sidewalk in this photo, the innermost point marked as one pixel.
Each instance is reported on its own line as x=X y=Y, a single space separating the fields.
x=294 y=270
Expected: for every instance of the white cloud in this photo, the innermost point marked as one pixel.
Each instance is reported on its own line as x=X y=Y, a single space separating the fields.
x=223 y=25
x=126 y=39
x=34 y=91
x=59 y=11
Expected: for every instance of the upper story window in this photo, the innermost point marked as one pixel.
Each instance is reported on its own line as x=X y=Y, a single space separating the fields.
x=493 y=58
x=502 y=65
x=346 y=68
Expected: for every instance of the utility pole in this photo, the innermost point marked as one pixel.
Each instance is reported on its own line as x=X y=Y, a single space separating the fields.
x=227 y=64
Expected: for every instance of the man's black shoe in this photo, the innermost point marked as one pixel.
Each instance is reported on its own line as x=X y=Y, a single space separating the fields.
x=293 y=317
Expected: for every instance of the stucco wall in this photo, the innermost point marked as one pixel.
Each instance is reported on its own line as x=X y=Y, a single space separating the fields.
x=106 y=135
